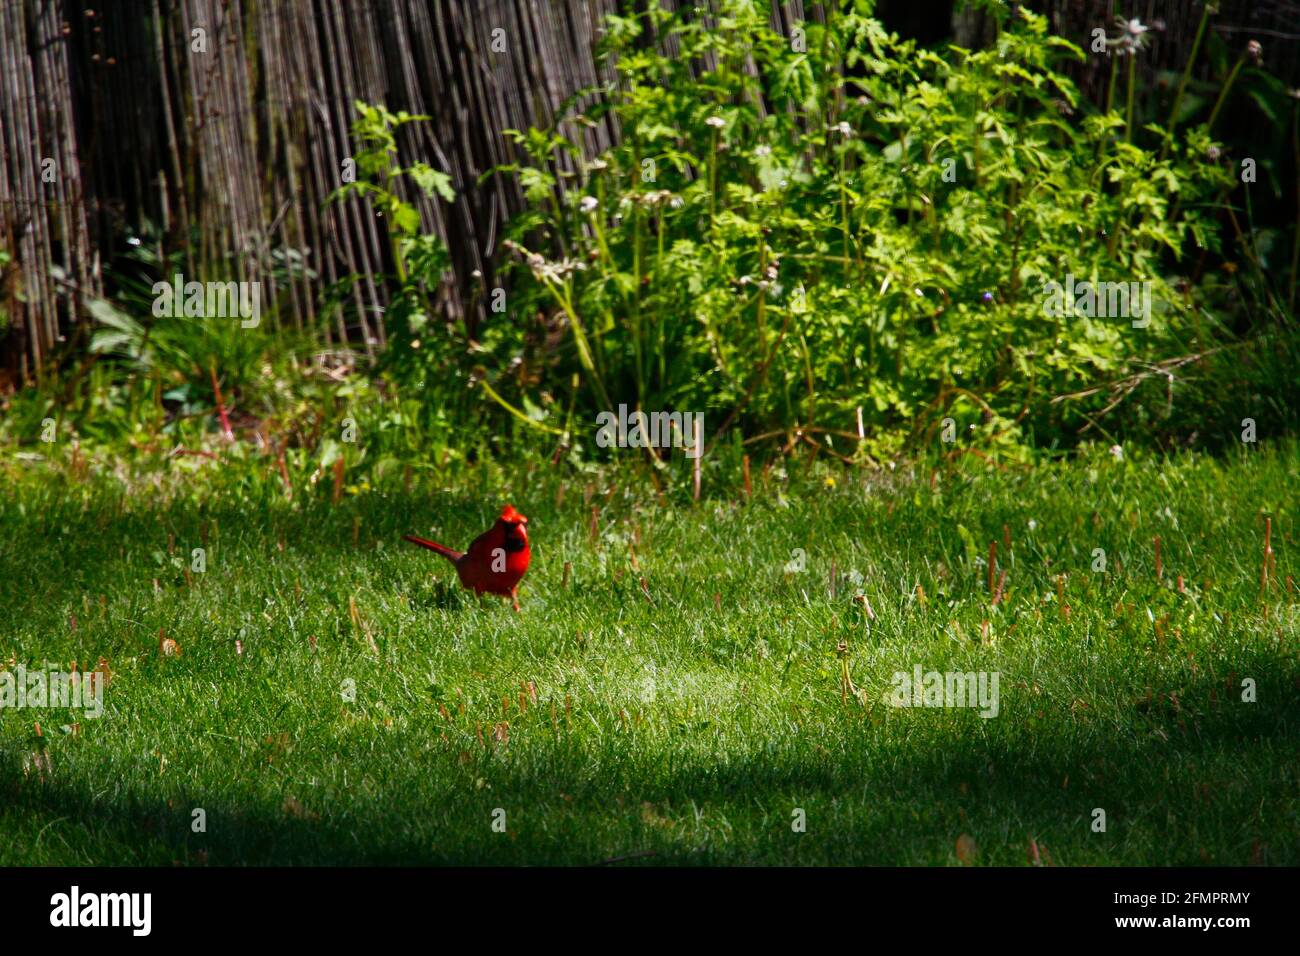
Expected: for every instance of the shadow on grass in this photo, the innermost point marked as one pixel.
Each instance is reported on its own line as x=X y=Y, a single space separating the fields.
x=1186 y=783
x=53 y=555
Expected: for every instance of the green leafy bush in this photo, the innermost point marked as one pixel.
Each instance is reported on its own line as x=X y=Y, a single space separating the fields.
x=792 y=228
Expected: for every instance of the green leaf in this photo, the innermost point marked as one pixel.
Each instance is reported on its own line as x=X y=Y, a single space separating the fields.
x=432 y=182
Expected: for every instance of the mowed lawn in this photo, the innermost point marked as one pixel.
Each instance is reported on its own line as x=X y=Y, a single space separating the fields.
x=676 y=696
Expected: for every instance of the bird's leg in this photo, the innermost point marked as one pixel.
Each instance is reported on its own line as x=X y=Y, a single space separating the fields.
x=514 y=599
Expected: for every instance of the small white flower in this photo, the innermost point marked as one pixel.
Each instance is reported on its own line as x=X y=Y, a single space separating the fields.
x=843 y=128
x=762 y=150
x=1132 y=36
x=717 y=122
x=558 y=271
x=134 y=241
x=589 y=204
x=1117 y=452
x=1033 y=525
x=598 y=164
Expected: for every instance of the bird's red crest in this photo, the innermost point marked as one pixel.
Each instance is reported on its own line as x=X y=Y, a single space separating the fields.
x=509 y=514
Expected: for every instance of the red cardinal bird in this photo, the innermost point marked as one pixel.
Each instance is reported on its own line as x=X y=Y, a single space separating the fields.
x=495 y=561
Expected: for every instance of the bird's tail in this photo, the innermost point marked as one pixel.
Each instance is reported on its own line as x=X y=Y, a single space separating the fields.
x=448 y=553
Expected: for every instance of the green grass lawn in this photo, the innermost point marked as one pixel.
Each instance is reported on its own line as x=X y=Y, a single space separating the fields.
x=683 y=720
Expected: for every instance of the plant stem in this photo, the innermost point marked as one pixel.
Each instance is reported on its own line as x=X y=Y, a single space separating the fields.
x=637 y=344
x=659 y=321
x=713 y=183
x=1110 y=87
x=1187 y=69
x=1223 y=94
x=565 y=298
x=844 y=200
x=1295 y=245
x=1128 y=121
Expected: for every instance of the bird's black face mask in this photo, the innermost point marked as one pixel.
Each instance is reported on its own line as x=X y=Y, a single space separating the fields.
x=514 y=539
